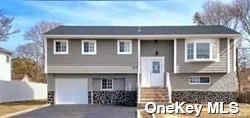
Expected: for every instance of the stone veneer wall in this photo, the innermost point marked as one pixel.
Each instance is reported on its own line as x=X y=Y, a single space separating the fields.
x=202 y=97
x=51 y=97
x=128 y=98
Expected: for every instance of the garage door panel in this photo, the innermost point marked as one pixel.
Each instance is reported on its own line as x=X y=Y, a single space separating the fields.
x=71 y=91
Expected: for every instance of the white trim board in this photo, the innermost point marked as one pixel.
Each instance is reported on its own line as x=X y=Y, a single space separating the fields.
x=175 y=55
x=228 y=55
x=144 y=36
x=45 y=56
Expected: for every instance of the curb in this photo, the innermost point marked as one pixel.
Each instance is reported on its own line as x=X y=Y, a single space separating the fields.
x=24 y=111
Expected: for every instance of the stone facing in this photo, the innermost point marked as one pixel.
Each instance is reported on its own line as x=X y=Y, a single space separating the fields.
x=202 y=97
x=128 y=98
x=51 y=97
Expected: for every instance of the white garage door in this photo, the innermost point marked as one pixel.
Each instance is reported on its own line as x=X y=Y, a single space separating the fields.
x=71 y=91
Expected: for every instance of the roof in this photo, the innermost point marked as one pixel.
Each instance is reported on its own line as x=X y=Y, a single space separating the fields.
x=5 y=51
x=140 y=30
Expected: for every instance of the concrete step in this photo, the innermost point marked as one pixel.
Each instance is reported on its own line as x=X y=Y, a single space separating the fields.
x=154 y=95
x=142 y=104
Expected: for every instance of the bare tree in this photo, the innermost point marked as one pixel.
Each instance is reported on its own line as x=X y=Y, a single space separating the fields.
x=242 y=8
x=35 y=34
x=5 y=26
x=29 y=51
x=235 y=15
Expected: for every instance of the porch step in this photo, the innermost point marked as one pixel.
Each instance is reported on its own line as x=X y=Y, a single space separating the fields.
x=154 y=100
x=142 y=104
x=154 y=94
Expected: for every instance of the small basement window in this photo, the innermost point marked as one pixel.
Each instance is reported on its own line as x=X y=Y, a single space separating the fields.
x=107 y=84
x=60 y=46
x=199 y=80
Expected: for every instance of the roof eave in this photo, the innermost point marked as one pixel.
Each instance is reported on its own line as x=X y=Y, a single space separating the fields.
x=144 y=36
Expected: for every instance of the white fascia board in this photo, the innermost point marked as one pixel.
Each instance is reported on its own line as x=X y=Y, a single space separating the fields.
x=144 y=37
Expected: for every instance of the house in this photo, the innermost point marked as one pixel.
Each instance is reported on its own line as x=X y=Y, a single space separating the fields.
x=21 y=77
x=138 y=64
x=5 y=65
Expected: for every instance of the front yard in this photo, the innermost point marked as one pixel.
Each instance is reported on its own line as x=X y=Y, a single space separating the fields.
x=12 y=107
x=244 y=113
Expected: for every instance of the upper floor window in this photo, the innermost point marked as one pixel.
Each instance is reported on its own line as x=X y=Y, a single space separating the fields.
x=202 y=50
x=88 y=46
x=199 y=80
x=124 y=47
x=60 y=46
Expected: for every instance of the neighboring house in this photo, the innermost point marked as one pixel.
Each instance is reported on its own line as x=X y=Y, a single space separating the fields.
x=21 y=77
x=130 y=64
x=5 y=65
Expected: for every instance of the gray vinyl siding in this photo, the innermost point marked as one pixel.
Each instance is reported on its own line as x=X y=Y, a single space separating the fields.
x=164 y=47
x=105 y=61
x=121 y=82
x=202 y=67
x=219 y=82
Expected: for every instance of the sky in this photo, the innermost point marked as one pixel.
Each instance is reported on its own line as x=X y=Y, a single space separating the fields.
x=105 y=13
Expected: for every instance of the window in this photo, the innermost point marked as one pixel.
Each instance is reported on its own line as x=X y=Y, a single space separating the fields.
x=202 y=50
x=190 y=51
x=124 y=47
x=88 y=46
x=156 y=67
x=199 y=80
x=7 y=59
x=60 y=46
x=107 y=84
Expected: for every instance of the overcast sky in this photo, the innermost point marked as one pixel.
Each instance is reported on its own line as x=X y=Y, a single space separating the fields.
x=28 y=13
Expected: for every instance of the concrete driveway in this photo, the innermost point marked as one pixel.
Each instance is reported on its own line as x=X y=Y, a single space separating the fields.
x=82 y=111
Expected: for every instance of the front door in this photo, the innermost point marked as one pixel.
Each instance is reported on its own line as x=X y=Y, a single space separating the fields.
x=152 y=70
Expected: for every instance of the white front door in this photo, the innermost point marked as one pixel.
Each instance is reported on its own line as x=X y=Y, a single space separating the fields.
x=152 y=70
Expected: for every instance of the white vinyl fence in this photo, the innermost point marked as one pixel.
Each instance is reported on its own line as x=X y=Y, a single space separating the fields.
x=21 y=91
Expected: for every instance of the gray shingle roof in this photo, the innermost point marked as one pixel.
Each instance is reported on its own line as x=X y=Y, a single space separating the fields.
x=140 y=30
x=5 y=51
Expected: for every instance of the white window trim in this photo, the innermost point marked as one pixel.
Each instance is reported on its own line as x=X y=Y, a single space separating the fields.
x=107 y=89
x=210 y=41
x=67 y=46
x=189 y=78
x=89 y=53
x=118 y=46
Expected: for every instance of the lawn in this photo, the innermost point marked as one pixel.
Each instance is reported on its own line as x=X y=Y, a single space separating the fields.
x=12 y=107
x=244 y=113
